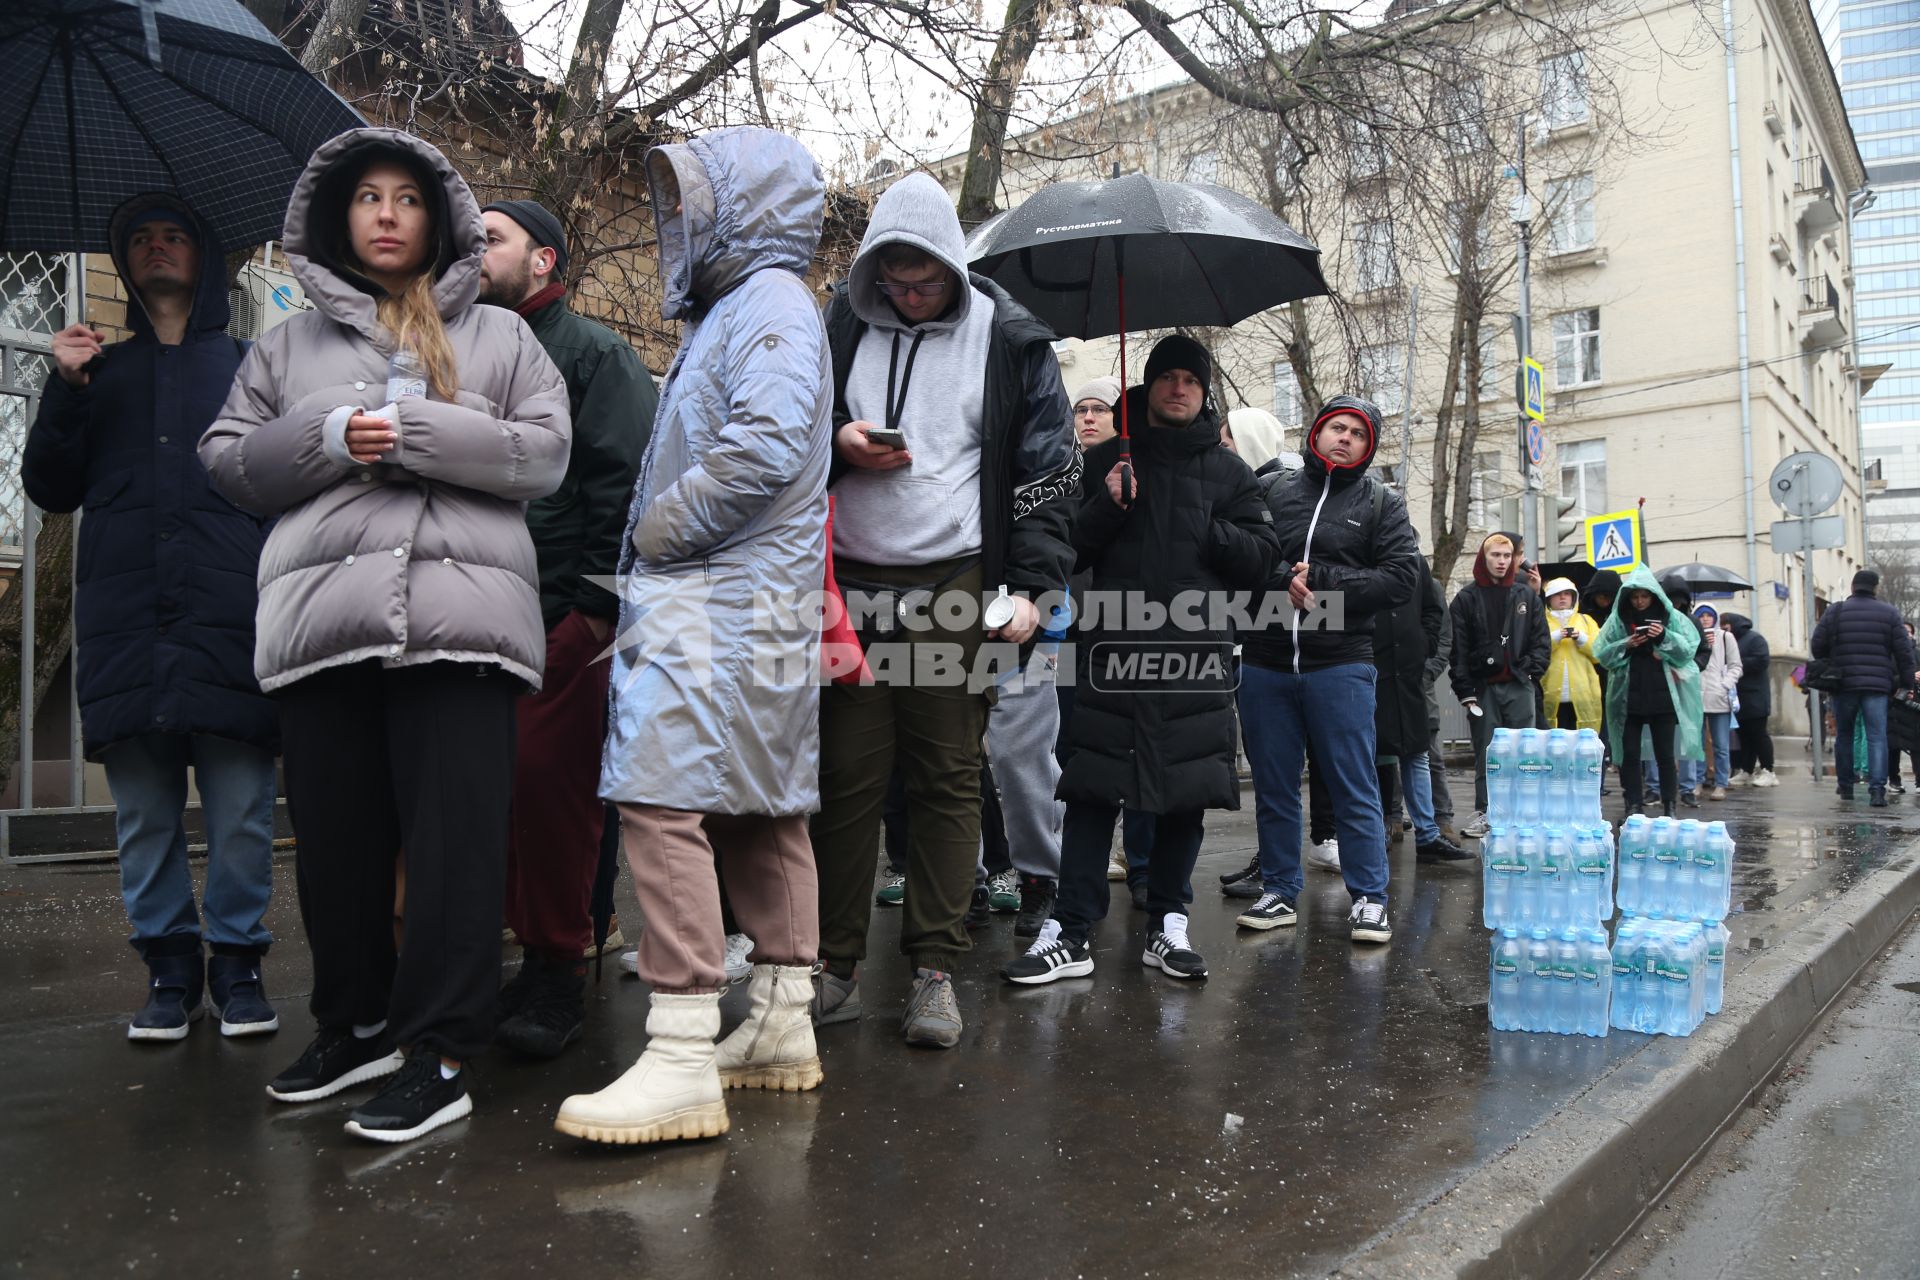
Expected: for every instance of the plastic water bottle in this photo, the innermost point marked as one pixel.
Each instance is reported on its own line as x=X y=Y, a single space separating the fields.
x=1714 y=862
x=1590 y=766
x=1497 y=879
x=1563 y=1014
x=1530 y=787
x=406 y=376
x=1657 y=885
x=1630 y=880
x=1529 y=853
x=1626 y=975
x=1596 y=982
x=1541 y=981
x=1686 y=877
x=1556 y=878
x=1506 y=980
x=1561 y=810
x=1592 y=876
x=1716 y=984
x=1503 y=768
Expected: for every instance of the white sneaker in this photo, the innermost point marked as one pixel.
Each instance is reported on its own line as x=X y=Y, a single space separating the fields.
x=739 y=947
x=1324 y=855
x=1116 y=866
x=1478 y=828
x=1765 y=778
x=630 y=961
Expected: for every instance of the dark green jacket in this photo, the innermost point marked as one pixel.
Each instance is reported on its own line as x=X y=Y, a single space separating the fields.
x=577 y=530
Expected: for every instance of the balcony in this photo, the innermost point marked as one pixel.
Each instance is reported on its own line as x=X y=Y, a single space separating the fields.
x=1821 y=324
x=1816 y=203
x=1770 y=114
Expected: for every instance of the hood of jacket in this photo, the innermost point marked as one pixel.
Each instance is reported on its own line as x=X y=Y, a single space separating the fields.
x=316 y=242
x=1678 y=594
x=1482 y=575
x=749 y=199
x=209 y=310
x=1738 y=623
x=1705 y=609
x=1321 y=466
x=1641 y=578
x=1258 y=435
x=1604 y=582
x=913 y=211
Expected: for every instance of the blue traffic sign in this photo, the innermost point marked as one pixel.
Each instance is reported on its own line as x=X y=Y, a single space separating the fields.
x=1613 y=541
x=1533 y=398
x=1536 y=444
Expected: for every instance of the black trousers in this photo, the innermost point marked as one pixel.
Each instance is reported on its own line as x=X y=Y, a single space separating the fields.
x=1320 y=827
x=1086 y=837
x=414 y=759
x=1662 y=729
x=1756 y=745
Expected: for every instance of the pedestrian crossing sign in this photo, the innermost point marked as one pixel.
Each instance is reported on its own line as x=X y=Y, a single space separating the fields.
x=1613 y=541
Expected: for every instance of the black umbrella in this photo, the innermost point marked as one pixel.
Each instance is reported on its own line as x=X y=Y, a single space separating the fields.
x=1701 y=578
x=1578 y=572
x=1092 y=259
x=101 y=100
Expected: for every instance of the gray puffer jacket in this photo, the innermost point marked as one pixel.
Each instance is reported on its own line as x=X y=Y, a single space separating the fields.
x=715 y=705
x=424 y=557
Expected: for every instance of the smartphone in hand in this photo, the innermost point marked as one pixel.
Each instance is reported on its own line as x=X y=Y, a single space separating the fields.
x=887 y=437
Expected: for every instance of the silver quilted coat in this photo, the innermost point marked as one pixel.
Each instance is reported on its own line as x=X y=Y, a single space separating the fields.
x=715 y=703
x=418 y=559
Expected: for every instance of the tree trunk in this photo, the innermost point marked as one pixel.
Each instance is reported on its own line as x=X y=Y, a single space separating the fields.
x=1445 y=524
x=1005 y=71
x=52 y=630
x=334 y=36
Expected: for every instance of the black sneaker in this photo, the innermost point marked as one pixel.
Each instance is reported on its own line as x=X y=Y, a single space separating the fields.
x=1169 y=951
x=174 y=1002
x=1877 y=797
x=981 y=909
x=415 y=1102
x=1244 y=883
x=518 y=989
x=1049 y=958
x=1369 y=922
x=1441 y=850
x=1271 y=912
x=336 y=1060
x=552 y=1015
x=1138 y=892
x=1036 y=904
x=240 y=996
x=1894 y=788
x=1689 y=799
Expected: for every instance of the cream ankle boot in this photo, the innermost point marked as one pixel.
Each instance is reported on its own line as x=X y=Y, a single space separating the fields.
x=773 y=1048
x=673 y=1091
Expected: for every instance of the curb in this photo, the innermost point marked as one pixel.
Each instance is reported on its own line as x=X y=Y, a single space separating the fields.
x=1557 y=1202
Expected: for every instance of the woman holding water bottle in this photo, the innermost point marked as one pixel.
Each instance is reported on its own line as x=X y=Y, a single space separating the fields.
x=1647 y=646
x=396 y=431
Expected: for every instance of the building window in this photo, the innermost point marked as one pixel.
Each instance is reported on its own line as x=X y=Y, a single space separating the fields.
x=1583 y=476
x=1286 y=395
x=1368 y=154
x=1373 y=256
x=1563 y=90
x=1570 y=224
x=1484 y=492
x=1576 y=348
x=1463 y=111
x=1383 y=371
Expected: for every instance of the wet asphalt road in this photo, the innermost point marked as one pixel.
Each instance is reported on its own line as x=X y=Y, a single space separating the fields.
x=1822 y=1177
x=1084 y=1128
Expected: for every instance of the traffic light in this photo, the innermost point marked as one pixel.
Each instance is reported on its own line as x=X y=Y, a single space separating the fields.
x=1569 y=529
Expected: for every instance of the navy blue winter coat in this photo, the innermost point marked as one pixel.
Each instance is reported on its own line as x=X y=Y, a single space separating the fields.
x=164 y=590
x=1867 y=638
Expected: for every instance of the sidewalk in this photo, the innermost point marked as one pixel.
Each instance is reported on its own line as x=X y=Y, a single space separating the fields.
x=1087 y=1128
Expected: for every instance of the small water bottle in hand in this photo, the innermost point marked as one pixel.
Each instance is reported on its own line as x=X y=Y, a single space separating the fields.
x=406 y=376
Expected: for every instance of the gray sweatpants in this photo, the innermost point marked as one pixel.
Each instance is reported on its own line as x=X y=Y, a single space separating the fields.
x=1508 y=705
x=1020 y=740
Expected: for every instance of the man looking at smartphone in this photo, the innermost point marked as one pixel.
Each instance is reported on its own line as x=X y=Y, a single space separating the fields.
x=1500 y=649
x=953 y=473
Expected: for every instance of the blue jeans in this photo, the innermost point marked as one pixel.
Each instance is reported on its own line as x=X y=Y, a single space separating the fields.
x=148 y=777
x=1720 y=731
x=1847 y=707
x=1416 y=794
x=1333 y=708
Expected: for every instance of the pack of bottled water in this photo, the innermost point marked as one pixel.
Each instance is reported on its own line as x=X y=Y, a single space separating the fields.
x=1665 y=976
x=1544 y=980
x=1544 y=778
x=1551 y=876
x=1680 y=870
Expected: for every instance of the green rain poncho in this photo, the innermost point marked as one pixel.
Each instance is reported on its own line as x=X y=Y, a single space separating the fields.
x=1676 y=650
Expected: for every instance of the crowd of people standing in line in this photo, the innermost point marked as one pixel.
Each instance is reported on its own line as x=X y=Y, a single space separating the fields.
x=396 y=541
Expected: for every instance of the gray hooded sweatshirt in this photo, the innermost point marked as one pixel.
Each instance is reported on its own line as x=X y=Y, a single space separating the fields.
x=930 y=509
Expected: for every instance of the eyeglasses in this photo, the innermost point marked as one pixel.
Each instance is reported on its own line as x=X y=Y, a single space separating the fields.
x=1092 y=406
x=932 y=289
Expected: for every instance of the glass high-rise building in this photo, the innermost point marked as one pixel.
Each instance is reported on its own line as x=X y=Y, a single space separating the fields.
x=1875 y=45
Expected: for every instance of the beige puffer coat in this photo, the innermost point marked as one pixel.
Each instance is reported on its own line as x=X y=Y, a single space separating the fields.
x=425 y=557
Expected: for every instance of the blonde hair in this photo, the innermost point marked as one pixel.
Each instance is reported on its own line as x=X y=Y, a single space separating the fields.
x=414 y=321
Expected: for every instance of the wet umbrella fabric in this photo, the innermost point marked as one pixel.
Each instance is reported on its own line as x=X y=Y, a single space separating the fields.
x=1705 y=578
x=1188 y=253
x=101 y=100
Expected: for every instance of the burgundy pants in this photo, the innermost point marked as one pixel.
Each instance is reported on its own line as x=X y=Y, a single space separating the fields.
x=767 y=867
x=553 y=846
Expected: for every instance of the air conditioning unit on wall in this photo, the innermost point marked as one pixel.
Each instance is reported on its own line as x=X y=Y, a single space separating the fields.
x=263 y=298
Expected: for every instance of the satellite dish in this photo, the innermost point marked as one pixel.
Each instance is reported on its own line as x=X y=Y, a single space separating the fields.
x=1806 y=483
